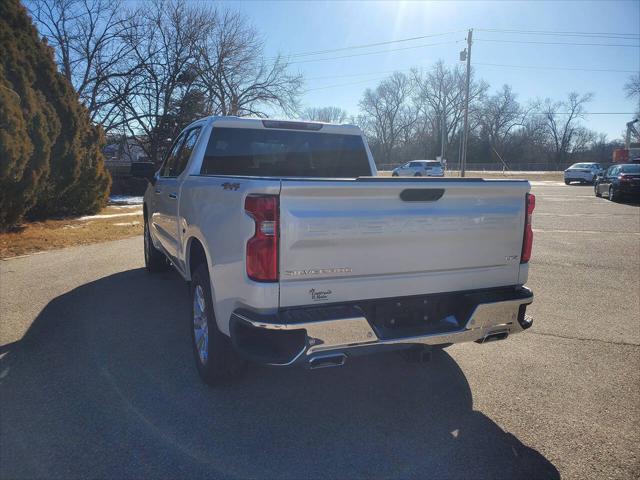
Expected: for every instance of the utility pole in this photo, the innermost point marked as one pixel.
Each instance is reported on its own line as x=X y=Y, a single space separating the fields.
x=443 y=127
x=466 y=54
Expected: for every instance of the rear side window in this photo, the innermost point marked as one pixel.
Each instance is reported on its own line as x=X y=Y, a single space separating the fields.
x=630 y=169
x=284 y=153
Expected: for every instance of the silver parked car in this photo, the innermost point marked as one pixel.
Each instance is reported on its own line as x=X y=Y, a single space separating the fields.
x=419 y=168
x=585 y=172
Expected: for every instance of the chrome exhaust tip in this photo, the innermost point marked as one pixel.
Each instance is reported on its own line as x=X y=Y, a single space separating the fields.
x=494 y=336
x=332 y=360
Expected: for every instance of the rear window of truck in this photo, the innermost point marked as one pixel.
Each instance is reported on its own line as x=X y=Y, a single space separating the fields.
x=284 y=153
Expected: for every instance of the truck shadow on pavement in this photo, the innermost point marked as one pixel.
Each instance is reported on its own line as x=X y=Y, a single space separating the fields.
x=103 y=385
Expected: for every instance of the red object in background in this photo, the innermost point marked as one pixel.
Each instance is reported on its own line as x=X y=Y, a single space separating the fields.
x=620 y=155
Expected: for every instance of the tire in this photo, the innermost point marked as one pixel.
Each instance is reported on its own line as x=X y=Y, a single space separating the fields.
x=216 y=360
x=394 y=174
x=418 y=174
x=154 y=260
x=595 y=190
x=613 y=196
x=567 y=182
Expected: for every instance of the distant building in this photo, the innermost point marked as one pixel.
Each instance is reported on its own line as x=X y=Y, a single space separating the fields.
x=119 y=155
x=123 y=152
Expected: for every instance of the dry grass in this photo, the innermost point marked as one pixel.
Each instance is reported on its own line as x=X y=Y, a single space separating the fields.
x=51 y=234
x=536 y=176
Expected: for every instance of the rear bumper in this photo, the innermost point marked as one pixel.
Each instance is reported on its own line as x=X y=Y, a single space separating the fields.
x=626 y=189
x=300 y=335
x=579 y=177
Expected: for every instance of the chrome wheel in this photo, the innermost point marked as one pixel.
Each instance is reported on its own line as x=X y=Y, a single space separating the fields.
x=200 y=324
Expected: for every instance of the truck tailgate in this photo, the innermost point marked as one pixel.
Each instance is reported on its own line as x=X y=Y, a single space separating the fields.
x=379 y=238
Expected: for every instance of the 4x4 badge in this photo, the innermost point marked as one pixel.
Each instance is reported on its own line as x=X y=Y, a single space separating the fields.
x=231 y=186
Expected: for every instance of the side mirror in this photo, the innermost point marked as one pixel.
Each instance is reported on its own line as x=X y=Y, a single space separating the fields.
x=144 y=170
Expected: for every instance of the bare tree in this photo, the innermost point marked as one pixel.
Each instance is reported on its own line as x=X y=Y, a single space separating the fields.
x=86 y=36
x=632 y=91
x=231 y=67
x=388 y=114
x=439 y=96
x=561 y=125
x=500 y=114
x=632 y=87
x=163 y=42
x=325 y=114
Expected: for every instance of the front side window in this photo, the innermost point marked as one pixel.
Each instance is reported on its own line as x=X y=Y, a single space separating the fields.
x=284 y=153
x=185 y=153
x=170 y=161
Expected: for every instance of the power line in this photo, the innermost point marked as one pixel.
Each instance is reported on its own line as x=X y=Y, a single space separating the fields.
x=614 y=35
x=581 y=69
x=582 y=113
x=625 y=36
x=387 y=72
x=559 y=43
x=378 y=44
x=343 y=84
x=539 y=67
x=375 y=53
x=363 y=74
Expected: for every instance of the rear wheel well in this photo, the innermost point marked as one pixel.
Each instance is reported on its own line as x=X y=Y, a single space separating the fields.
x=197 y=255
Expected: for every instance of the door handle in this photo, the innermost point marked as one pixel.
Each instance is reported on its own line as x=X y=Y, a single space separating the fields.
x=173 y=195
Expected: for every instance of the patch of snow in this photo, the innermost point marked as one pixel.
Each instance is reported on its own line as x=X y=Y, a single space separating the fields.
x=111 y=215
x=125 y=200
x=127 y=224
x=124 y=207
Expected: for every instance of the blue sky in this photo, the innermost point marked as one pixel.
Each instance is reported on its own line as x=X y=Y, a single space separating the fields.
x=290 y=27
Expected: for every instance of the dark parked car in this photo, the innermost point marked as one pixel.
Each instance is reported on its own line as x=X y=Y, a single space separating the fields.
x=619 y=181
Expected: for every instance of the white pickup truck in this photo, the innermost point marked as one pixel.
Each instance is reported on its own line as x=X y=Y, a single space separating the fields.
x=298 y=253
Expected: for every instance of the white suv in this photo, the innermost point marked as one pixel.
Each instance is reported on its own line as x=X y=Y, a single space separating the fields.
x=419 y=168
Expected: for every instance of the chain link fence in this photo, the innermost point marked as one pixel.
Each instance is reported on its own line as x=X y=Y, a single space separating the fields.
x=488 y=167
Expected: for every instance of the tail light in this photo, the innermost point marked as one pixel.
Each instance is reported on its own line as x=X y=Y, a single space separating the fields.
x=527 y=242
x=262 y=248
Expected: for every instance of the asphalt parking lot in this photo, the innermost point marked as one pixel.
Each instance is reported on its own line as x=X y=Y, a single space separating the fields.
x=97 y=378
